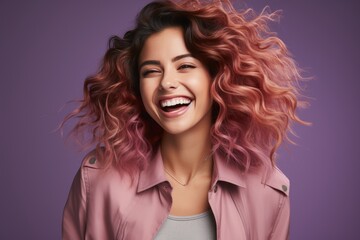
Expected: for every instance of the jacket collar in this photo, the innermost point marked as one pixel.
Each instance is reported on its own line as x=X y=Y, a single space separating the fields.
x=223 y=171
x=153 y=174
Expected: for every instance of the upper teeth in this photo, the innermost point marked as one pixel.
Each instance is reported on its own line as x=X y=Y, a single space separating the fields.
x=174 y=101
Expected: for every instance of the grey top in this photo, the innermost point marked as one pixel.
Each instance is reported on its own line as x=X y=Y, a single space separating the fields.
x=196 y=227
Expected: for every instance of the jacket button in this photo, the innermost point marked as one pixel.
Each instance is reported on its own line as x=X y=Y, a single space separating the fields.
x=284 y=187
x=92 y=160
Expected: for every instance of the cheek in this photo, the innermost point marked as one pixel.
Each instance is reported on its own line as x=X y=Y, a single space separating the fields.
x=201 y=85
x=146 y=92
x=143 y=93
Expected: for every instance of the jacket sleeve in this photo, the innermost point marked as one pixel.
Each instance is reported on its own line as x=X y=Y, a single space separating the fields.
x=74 y=220
x=281 y=227
x=278 y=181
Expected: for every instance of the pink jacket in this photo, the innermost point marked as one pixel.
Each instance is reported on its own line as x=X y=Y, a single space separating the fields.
x=104 y=205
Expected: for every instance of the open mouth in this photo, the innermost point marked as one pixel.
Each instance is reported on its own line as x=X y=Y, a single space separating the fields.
x=174 y=104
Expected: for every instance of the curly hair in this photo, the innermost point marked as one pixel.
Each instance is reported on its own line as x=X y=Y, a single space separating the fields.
x=254 y=85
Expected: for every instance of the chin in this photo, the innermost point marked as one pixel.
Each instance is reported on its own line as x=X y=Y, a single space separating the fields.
x=174 y=131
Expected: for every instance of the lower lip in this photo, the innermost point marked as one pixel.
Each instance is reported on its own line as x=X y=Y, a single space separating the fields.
x=177 y=112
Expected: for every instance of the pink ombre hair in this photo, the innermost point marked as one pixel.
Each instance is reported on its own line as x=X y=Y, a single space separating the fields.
x=255 y=85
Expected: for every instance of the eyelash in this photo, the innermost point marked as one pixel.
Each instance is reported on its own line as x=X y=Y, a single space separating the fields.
x=185 y=66
x=146 y=72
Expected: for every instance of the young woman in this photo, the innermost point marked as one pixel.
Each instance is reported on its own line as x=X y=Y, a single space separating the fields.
x=187 y=112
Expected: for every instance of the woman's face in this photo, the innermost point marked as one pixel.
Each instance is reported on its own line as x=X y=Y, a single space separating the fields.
x=174 y=86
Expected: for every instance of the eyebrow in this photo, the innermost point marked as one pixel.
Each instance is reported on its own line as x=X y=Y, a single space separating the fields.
x=155 y=62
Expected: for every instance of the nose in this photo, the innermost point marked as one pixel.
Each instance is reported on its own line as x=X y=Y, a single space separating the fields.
x=169 y=81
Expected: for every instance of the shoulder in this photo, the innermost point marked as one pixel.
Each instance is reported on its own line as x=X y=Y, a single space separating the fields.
x=101 y=179
x=267 y=198
x=267 y=191
x=98 y=192
x=272 y=180
x=92 y=161
x=277 y=180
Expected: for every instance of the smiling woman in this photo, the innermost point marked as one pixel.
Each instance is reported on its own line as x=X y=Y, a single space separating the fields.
x=187 y=111
x=175 y=86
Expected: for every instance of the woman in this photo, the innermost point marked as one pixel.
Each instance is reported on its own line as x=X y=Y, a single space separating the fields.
x=187 y=112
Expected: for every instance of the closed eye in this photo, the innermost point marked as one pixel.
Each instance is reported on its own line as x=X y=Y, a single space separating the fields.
x=185 y=66
x=150 y=71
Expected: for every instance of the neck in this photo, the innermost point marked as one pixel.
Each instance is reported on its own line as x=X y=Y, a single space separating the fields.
x=188 y=154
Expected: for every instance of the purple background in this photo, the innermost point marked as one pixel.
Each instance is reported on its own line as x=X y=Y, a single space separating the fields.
x=47 y=49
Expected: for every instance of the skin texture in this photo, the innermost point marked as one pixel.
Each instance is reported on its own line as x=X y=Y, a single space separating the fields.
x=168 y=70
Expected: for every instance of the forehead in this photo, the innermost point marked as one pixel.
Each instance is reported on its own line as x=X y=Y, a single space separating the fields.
x=164 y=45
